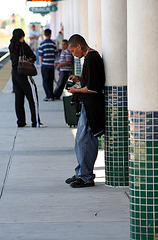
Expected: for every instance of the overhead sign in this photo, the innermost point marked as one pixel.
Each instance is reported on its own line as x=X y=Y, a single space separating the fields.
x=44 y=10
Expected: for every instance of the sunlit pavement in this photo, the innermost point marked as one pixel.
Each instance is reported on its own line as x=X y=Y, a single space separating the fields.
x=35 y=203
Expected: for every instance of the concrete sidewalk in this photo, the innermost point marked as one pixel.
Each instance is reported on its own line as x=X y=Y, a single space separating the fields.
x=35 y=203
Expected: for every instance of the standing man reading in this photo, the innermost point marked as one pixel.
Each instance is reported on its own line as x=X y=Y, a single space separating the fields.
x=91 y=123
x=48 y=53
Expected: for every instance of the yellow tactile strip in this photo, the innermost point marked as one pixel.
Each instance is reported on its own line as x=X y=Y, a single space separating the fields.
x=5 y=74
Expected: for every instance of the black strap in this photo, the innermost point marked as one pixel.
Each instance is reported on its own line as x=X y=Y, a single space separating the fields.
x=22 y=54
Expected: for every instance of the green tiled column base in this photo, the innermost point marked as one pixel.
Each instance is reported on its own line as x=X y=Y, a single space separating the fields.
x=116 y=136
x=77 y=66
x=143 y=175
x=101 y=142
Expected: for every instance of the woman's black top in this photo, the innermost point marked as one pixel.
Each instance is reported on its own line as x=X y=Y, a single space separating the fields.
x=14 y=56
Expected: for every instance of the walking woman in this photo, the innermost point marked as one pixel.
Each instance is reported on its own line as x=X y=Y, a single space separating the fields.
x=23 y=85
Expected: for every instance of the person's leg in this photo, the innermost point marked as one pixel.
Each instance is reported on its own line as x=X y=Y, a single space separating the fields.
x=19 y=101
x=32 y=97
x=51 y=80
x=46 y=79
x=37 y=100
x=19 y=107
x=63 y=77
x=37 y=57
x=86 y=149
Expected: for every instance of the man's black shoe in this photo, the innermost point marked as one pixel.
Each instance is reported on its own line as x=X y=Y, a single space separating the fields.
x=56 y=98
x=80 y=183
x=70 y=180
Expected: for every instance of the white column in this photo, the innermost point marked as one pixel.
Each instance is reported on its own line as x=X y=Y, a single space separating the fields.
x=114 y=46
x=58 y=18
x=76 y=28
x=66 y=18
x=71 y=25
x=94 y=24
x=61 y=6
x=142 y=22
x=84 y=18
x=143 y=55
x=114 y=41
x=76 y=16
x=64 y=21
x=53 y=24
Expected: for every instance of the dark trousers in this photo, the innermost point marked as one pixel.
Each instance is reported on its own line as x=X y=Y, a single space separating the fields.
x=48 y=80
x=63 y=77
x=25 y=86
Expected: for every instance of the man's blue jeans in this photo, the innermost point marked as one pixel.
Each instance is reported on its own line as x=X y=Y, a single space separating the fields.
x=48 y=80
x=86 y=149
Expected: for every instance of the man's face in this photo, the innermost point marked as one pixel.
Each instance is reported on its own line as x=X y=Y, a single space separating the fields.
x=33 y=28
x=64 y=45
x=76 y=51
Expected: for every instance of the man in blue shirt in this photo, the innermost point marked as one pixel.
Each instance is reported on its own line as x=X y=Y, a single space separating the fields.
x=48 y=52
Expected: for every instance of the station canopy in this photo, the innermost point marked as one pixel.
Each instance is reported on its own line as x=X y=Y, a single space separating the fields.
x=43 y=0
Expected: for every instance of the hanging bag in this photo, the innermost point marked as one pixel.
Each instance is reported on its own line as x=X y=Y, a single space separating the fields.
x=25 y=67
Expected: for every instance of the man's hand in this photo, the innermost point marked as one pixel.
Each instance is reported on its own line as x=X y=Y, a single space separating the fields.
x=34 y=37
x=75 y=78
x=72 y=90
x=80 y=90
x=59 y=65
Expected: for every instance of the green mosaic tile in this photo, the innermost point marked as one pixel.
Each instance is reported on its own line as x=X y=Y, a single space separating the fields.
x=116 y=137
x=101 y=142
x=77 y=66
x=155 y=143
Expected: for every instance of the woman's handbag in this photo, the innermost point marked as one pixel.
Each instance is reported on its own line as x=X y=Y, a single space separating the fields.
x=25 y=67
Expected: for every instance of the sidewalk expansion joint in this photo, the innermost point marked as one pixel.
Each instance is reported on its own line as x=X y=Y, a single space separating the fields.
x=8 y=167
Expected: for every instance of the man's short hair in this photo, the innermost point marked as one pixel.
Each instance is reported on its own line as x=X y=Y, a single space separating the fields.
x=47 y=32
x=65 y=41
x=77 y=39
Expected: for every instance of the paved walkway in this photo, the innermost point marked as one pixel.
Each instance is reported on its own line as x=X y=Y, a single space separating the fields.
x=35 y=202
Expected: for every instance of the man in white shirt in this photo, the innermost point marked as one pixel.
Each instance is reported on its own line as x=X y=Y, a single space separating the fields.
x=34 y=36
